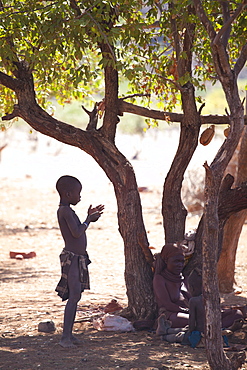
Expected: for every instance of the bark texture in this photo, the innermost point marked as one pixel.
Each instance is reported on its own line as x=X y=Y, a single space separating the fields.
x=216 y=355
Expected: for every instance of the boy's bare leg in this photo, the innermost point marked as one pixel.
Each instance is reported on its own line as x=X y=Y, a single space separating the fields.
x=74 y=285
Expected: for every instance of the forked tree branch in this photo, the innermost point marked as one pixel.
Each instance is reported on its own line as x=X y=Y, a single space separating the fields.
x=204 y=19
x=229 y=22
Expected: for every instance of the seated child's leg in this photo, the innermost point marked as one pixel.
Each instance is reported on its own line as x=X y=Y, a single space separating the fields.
x=74 y=286
x=163 y=325
x=174 y=330
x=179 y=320
x=174 y=338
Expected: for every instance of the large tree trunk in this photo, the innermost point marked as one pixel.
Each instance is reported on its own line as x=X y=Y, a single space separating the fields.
x=233 y=228
x=138 y=257
x=138 y=273
x=226 y=264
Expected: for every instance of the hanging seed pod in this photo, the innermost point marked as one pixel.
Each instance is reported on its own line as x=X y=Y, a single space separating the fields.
x=227 y=131
x=207 y=135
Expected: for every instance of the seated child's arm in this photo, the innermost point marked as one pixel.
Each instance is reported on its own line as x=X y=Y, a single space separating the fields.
x=192 y=315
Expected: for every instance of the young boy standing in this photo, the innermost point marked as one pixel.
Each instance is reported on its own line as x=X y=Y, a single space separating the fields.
x=74 y=258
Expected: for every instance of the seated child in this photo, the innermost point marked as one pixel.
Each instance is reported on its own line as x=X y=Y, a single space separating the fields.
x=192 y=333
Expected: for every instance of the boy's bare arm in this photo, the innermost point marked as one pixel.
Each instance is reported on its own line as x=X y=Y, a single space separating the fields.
x=68 y=215
x=75 y=229
x=94 y=213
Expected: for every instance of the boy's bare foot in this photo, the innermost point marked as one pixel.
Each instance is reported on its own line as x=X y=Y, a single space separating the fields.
x=66 y=343
x=163 y=325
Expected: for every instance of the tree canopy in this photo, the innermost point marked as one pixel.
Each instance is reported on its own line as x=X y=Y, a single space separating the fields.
x=60 y=41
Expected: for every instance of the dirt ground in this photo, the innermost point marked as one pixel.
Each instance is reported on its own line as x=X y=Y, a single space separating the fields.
x=28 y=221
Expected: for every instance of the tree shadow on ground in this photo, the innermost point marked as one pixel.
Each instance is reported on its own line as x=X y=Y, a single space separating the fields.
x=98 y=350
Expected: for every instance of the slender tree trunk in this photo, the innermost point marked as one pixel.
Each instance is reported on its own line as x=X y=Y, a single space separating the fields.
x=173 y=210
x=216 y=358
x=214 y=174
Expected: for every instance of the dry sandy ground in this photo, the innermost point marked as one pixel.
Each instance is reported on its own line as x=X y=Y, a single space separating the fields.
x=28 y=221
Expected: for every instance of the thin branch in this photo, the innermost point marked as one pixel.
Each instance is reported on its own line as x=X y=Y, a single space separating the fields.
x=171 y=81
x=15 y=113
x=135 y=95
x=80 y=14
x=34 y=10
x=229 y=22
x=93 y=117
x=175 y=35
x=227 y=113
x=156 y=24
x=104 y=37
x=201 y=108
x=219 y=52
x=74 y=6
x=226 y=16
x=204 y=19
x=240 y=63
